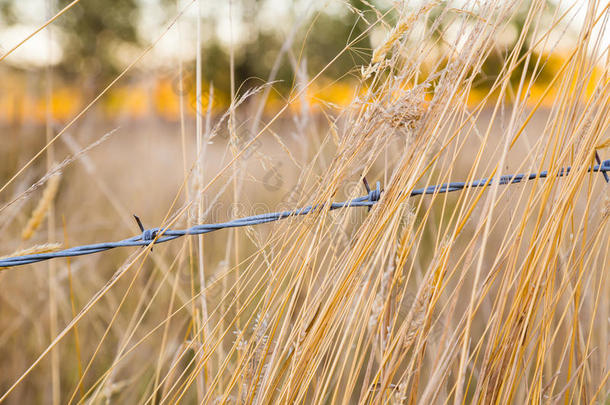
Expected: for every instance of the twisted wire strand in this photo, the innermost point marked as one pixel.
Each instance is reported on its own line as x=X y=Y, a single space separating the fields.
x=149 y=236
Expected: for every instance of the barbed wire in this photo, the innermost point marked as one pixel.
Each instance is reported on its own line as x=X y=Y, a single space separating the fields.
x=159 y=235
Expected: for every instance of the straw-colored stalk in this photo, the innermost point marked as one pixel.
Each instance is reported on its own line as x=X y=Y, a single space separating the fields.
x=403 y=26
x=44 y=248
x=41 y=210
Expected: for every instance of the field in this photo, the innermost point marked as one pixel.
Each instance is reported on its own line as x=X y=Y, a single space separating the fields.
x=491 y=294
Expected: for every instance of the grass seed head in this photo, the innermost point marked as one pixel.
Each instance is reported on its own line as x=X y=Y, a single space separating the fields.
x=41 y=210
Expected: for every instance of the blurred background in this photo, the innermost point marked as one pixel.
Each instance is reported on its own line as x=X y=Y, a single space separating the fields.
x=90 y=44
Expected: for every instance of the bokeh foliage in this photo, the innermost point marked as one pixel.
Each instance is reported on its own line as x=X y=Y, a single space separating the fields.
x=95 y=32
x=98 y=38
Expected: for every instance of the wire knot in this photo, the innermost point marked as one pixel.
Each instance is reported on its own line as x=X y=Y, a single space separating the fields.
x=375 y=194
x=148 y=235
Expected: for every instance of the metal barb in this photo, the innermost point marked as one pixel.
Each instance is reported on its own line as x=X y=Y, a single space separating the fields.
x=148 y=235
x=139 y=222
x=373 y=195
x=366 y=185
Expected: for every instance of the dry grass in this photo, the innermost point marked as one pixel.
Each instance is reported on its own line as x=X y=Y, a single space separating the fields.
x=42 y=208
x=491 y=295
x=44 y=248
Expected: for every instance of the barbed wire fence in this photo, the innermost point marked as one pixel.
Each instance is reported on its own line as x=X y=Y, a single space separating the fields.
x=154 y=236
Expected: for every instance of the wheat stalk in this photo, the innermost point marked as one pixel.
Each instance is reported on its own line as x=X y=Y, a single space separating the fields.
x=43 y=248
x=40 y=212
x=403 y=26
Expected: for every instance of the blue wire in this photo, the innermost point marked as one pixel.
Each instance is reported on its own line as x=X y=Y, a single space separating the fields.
x=148 y=235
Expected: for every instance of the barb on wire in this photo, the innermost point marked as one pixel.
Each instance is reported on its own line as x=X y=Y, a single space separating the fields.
x=159 y=235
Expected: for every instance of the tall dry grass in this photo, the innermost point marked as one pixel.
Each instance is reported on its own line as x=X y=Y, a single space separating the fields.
x=490 y=295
